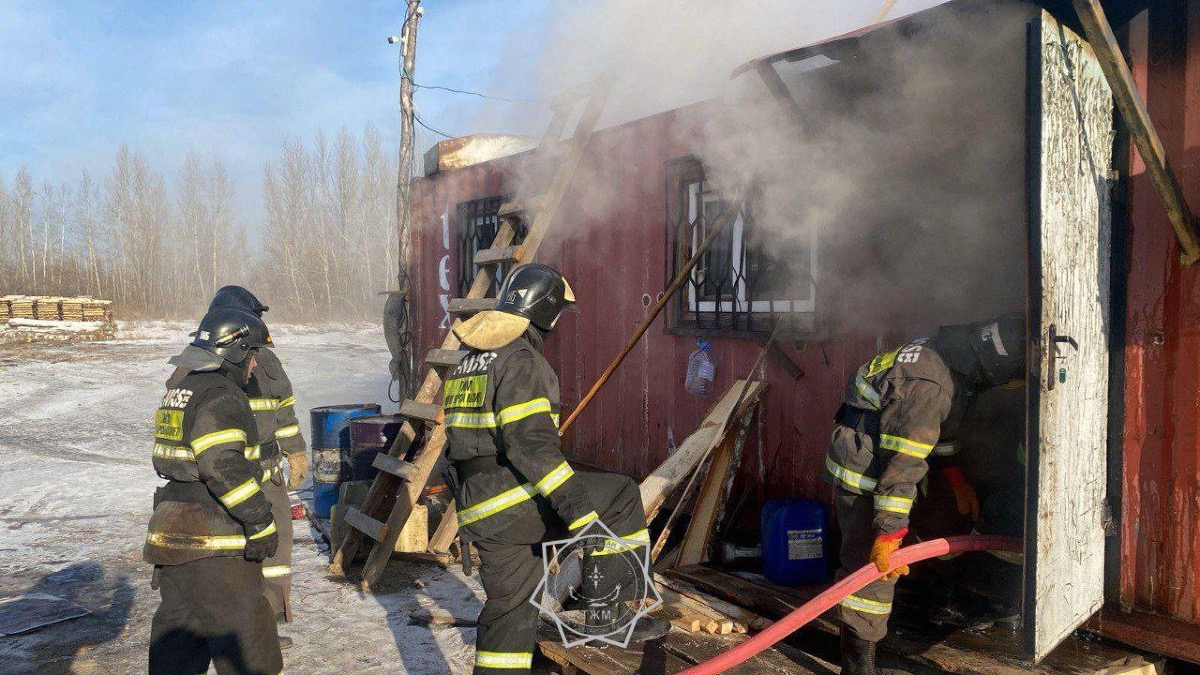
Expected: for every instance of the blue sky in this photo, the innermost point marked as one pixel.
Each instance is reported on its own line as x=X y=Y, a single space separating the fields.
x=234 y=79
x=229 y=79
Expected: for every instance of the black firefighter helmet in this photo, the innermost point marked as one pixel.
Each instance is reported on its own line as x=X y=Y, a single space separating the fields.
x=532 y=294
x=226 y=335
x=238 y=298
x=999 y=345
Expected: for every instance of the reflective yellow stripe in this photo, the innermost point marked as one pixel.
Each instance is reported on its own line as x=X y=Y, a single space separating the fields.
x=583 y=521
x=514 y=413
x=894 y=504
x=261 y=404
x=851 y=478
x=463 y=420
x=274 y=571
x=905 y=446
x=550 y=482
x=496 y=504
x=287 y=431
x=253 y=452
x=866 y=390
x=864 y=605
x=239 y=494
x=270 y=472
x=504 y=660
x=172 y=452
x=214 y=543
x=290 y=400
x=554 y=417
x=946 y=449
x=612 y=546
x=265 y=533
x=216 y=438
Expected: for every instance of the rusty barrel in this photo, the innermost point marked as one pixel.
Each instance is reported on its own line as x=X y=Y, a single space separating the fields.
x=369 y=436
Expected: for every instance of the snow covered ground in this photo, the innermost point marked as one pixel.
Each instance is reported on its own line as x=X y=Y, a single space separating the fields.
x=75 y=495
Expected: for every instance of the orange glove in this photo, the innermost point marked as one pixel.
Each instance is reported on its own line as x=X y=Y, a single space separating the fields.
x=964 y=492
x=881 y=553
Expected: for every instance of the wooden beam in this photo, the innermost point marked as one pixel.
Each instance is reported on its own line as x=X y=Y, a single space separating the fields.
x=444 y=358
x=705 y=513
x=1141 y=129
x=393 y=465
x=446 y=531
x=663 y=480
x=365 y=524
x=499 y=256
x=468 y=306
x=418 y=410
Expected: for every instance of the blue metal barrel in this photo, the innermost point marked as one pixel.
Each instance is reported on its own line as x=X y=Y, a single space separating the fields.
x=330 y=433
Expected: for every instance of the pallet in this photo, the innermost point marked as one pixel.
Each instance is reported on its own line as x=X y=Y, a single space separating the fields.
x=993 y=651
x=675 y=652
x=391 y=498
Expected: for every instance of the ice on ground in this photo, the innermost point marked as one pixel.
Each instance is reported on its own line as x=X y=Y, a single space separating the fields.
x=75 y=495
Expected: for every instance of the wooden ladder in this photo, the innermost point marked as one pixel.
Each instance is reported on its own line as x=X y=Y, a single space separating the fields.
x=399 y=484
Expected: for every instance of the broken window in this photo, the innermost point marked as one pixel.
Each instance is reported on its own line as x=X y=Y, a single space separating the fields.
x=750 y=277
x=478 y=224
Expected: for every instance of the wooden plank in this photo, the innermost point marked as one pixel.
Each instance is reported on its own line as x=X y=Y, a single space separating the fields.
x=469 y=306
x=397 y=467
x=712 y=604
x=421 y=411
x=1160 y=634
x=516 y=208
x=694 y=548
x=444 y=358
x=1069 y=282
x=446 y=531
x=500 y=256
x=993 y=651
x=1141 y=127
x=365 y=524
x=677 y=467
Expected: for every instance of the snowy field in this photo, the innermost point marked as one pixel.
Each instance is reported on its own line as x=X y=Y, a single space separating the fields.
x=75 y=495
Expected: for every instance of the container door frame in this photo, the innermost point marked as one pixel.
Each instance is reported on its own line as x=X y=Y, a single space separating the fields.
x=1070 y=220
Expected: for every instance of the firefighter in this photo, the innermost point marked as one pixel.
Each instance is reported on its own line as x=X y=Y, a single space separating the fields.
x=512 y=484
x=896 y=408
x=274 y=407
x=212 y=525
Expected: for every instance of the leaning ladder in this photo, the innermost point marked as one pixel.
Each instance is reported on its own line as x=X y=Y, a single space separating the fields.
x=399 y=484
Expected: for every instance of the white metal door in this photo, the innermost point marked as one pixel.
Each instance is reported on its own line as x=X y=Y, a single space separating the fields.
x=1071 y=134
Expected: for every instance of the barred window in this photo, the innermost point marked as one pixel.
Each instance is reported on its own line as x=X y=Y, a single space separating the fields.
x=478 y=224
x=750 y=277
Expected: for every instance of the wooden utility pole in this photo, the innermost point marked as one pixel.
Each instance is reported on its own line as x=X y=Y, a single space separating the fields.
x=408 y=64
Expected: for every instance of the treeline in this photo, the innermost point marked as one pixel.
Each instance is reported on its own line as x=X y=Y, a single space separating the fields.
x=159 y=245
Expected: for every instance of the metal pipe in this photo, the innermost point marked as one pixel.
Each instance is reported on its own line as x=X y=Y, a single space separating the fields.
x=681 y=276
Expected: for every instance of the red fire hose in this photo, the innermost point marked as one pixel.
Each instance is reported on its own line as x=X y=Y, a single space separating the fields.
x=836 y=593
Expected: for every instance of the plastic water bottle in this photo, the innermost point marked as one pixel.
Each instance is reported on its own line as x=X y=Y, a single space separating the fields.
x=701 y=370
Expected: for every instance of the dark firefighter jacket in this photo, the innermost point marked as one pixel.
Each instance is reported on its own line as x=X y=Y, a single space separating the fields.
x=204 y=438
x=896 y=408
x=274 y=407
x=502 y=428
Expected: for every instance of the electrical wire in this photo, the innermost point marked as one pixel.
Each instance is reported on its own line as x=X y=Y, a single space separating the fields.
x=473 y=93
x=420 y=121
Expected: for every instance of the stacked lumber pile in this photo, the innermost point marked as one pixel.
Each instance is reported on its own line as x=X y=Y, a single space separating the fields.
x=22 y=307
x=47 y=308
x=97 y=310
x=36 y=318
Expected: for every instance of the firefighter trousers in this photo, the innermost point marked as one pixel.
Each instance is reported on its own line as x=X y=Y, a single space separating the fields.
x=277 y=570
x=213 y=611
x=866 y=612
x=510 y=568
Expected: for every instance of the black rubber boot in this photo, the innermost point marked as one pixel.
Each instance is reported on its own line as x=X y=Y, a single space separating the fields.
x=858 y=655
